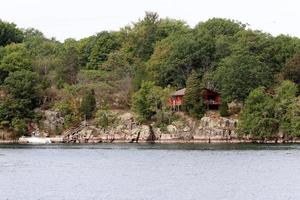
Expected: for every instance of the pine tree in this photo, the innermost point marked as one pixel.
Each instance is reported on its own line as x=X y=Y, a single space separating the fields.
x=224 y=109
x=193 y=102
x=88 y=104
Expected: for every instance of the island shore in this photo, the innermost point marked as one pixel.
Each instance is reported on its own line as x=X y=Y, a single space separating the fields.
x=204 y=140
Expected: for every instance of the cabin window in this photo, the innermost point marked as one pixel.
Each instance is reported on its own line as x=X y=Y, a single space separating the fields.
x=211 y=97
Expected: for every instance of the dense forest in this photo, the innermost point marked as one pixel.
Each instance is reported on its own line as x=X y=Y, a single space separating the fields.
x=139 y=66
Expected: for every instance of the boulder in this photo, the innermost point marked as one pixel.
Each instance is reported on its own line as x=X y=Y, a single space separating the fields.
x=172 y=128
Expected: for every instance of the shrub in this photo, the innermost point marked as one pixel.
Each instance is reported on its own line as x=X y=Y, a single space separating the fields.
x=224 y=111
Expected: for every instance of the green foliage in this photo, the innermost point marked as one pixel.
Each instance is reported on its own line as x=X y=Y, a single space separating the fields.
x=144 y=58
x=68 y=70
x=285 y=100
x=117 y=61
x=84 y=47
x=291 y=70
x=193 y=102
x=88 y=104
x=143 y=36
x=176 y=56
x=19 y=126
x=258 y=116
x=140 y=74
x=220 y=27
x=9 y=33
x=104 y=44
x=264 y=114
x=291 y=122
x=23 y=96
x=14 y=57
x=238 y=75
x=149 y=100
x=104 y=117
x=224 y=111
x=69 y=113
x=141 y=103
x=24 y=85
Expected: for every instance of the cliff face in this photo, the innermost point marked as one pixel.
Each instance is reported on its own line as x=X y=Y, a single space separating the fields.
x=184 y=129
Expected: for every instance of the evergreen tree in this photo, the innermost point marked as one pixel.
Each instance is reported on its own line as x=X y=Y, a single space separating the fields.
x=23 y=89
x=67 y=72
x=88 y=104
x=224 y=109
x=193 y=102
x=141 y=104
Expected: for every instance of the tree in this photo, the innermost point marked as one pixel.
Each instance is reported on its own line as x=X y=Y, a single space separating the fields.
x=175 y=57
x=283 y=49
x=85 y=47
x=104 y=117
x=15 y=57
x=285 y=98
x=9 y=33
x=88 y=104
x=238 y=75
x=258 y=117
x=20 y=126
x=142 y=37
x=291 y=70
x=220 y=27
x=23 y=96
x=104 y=44
x=141 y=104
x=224 y=112
x=68 y=70
x=193 y=102
x=291 y=125
x=150 y=100
x=117 y=61
x=24 y=85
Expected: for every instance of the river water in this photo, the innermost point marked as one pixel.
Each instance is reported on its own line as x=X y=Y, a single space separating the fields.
x=150 y=172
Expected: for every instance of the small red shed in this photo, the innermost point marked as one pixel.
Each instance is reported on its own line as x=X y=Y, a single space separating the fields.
x=176 y=98
x=211 y=98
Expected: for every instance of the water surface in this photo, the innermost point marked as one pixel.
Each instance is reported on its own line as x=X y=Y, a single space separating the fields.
x=150 y=172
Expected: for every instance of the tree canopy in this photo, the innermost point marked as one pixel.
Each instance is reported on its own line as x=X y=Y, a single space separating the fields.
x=138 y=66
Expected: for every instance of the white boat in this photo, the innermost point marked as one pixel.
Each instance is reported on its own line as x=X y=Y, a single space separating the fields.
x=35 y=140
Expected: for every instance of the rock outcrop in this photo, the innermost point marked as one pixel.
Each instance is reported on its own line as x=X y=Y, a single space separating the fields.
x=53 y=122
x=185 y=129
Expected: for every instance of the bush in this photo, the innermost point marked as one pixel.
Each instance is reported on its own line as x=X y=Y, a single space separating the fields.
x=224 y=109
x=19 y=126
x=104 y=117
x=258 y=116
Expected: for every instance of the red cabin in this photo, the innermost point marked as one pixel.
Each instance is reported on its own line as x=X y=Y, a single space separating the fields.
x=211 y=98
x=176 y=98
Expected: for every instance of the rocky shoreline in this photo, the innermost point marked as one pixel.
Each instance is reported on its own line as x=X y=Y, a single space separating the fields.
x=209 y=129
x=203 y=140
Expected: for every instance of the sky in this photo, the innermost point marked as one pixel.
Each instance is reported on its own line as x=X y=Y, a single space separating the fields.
x=82 y=18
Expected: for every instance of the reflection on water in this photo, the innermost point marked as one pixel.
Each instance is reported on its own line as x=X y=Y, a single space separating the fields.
x=150 y=171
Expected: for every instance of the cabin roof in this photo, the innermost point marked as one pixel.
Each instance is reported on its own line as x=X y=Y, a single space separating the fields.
x=212 y=91
x=179 y=92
